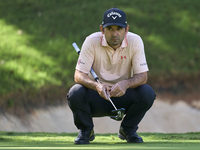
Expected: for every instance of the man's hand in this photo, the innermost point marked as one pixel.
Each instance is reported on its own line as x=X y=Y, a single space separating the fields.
x=103 y=90
x=118 y=89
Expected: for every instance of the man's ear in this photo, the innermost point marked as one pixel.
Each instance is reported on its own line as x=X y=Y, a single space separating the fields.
x=101 y=29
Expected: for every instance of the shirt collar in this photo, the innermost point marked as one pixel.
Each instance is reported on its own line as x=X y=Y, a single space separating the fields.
x=104 y=42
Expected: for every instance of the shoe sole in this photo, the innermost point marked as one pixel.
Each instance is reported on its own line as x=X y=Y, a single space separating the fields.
x=124 y=138
x=92 y=137
x=85 y=142
x=121 y=137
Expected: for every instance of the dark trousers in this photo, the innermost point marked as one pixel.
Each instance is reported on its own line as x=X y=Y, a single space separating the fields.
x=86 y=103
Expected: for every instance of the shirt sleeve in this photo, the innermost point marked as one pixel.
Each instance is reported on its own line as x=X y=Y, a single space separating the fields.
x=86 y=56
x=139 y=63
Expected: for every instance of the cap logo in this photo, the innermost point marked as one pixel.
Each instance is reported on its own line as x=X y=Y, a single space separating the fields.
x=114 y=15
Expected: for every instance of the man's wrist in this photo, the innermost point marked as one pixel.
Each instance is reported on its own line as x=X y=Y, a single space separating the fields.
x=96 y=84
x=127 y=83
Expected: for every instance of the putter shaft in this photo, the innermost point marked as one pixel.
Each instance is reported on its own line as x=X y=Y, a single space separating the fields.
x=110 y=99
x=112 y=103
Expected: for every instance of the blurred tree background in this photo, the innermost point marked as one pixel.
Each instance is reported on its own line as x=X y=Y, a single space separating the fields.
x=37 y=59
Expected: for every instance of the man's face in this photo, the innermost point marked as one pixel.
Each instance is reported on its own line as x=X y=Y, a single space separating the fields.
x=114 y=35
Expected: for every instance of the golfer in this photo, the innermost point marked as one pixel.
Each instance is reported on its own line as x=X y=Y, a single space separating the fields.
x=117 y=56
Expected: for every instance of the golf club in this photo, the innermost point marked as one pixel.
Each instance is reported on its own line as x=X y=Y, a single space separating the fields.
x=120 y=112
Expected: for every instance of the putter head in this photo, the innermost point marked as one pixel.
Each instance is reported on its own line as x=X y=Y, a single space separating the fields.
x=120 y=113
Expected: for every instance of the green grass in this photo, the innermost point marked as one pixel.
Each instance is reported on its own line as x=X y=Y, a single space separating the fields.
x=153 y=141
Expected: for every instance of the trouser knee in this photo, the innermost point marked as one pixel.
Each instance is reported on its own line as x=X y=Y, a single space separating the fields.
x=75 y=94
x=148 y=95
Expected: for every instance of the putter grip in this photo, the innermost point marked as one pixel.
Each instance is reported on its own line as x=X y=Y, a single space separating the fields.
x=94 y=75
x=76 y=47
x=91 y=71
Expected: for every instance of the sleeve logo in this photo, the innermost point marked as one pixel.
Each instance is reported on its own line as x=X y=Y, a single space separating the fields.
x=80 y=62
x=143 y=64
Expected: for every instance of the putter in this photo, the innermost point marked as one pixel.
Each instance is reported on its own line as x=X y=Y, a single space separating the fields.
x=120 y=112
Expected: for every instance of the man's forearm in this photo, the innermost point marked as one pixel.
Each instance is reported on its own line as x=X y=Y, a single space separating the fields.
x=137 y=80
x=84 y=79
